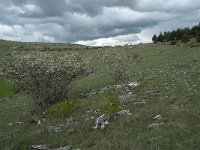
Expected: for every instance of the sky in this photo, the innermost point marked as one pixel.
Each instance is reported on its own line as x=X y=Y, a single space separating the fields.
x=94 y=22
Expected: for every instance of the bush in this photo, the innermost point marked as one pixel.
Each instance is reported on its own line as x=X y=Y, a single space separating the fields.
x=44 y=76
x=173 y=42
x=116 y=65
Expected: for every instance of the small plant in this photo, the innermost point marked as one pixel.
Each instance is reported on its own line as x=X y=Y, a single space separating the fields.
x=44 y=76
x=116 y=65
x=61 y=109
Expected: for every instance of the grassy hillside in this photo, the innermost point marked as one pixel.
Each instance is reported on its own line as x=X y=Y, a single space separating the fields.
x=168 y=78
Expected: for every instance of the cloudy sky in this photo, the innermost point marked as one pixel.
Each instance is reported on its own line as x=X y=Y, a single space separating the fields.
x=94 y=22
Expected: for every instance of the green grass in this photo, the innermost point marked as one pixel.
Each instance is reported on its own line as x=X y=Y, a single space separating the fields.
x=5 y=88
x=169 y=78
x=61 y=110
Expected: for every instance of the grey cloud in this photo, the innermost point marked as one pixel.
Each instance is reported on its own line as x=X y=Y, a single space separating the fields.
x=76 y=20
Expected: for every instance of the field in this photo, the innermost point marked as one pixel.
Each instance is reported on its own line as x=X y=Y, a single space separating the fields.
x=168 y=77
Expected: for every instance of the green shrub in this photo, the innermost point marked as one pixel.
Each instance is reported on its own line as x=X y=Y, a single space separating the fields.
x=173 y=42
x=116 y=65
x=44 y=76
x=61 y=109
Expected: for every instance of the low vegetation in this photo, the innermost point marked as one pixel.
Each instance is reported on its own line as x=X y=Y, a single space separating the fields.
x=163 y=109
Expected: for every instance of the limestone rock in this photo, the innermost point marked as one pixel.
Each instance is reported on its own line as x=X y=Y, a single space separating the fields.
x=157 y=117
x=124 y=113
x=154 y=125
x=102 y=121
x=59 y=127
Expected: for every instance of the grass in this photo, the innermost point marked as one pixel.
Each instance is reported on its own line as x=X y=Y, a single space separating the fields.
x=169 y=80
x=5 y=88
x=61 y=109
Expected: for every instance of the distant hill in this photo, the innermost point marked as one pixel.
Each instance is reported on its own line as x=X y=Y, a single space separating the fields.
x=6 y=45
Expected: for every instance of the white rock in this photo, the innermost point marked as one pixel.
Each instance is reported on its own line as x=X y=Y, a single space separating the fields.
x=138 y=103
x=39 y=122
x=18 y=122
x=157 y=117
x=124 y=113
x=102 y=121
x=133 y=84
x=10 y=124
x=40 y=147
x=154 y=125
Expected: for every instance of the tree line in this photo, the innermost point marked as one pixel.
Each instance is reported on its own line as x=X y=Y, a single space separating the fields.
x=181 y=34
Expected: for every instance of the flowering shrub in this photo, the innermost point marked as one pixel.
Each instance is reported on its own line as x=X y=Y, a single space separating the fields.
x=44 y=76
x=116 y=65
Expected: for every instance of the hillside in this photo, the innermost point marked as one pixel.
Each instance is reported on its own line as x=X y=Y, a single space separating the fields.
x=154 y=106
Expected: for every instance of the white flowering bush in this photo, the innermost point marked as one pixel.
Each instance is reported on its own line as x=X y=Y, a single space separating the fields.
x=116 y=65
x=44 y=76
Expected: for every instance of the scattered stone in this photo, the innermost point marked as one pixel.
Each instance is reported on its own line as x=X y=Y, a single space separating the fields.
x=127 y=86
x=91 y=113
x=69 y=147
x=127 y=96
x=104 y=90
x=102 y=121
x=95 y=92
x=124 y=113
x=46 y=147
x=18 y=122
x=59 y=127
x=15 y=123
x=39 y=122
x=39 y=147
x=133 y=84
x=157 y=117
x=152 y=92
x=92 y=93
x=140 y=103
x=124 y=87
x=10 y=124
x=154 y=125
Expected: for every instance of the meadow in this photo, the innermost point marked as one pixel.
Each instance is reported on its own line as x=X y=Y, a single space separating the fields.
x=168 y=77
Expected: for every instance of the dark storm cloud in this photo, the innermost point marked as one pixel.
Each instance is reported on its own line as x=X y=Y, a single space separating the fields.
x=75 y=20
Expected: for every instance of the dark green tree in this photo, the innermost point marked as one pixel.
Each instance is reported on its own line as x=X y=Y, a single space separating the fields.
x=160 y=37
x=155 y=38
x=181 y=34
x=198 y=38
